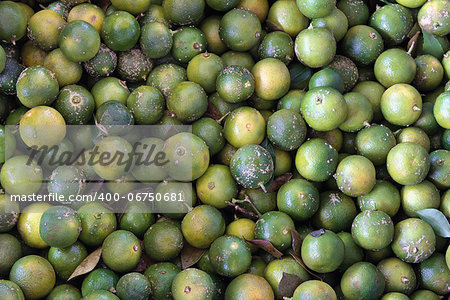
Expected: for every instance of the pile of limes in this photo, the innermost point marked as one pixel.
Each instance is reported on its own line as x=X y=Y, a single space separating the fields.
x=316 y=160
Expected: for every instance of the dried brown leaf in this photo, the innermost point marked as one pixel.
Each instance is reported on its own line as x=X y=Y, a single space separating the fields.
x=267 y=246
x=288 y=284
x=279 y=181
x=213 y=112
x=190 y=255
x=88 y=264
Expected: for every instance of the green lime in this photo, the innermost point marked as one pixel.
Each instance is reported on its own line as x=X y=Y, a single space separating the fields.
x=252 y=166
x=355 y=175
x=353 y=253
x=10 y=291
x=97 y=222
x=362 y=44
x=216 y=186
x=408 y=163
x=66 y=71
x=64 y=292
x=375 y=142
x=286 y=129
x=383 y=197
x=322 y=251
x=414 y=240
x=399 y=276
x=188 y=42
x=180 y=12
x=362 y=281
x=306 y=47
x=429 y=74
x=37 y=86
x=35 y=276
x=137 y=219
x=336 y=22
x=324 y=108
x=439 y=168
x=188 y=156
x=373 y=91
x=316 y=9
x=10 y=252
x=327 y=78
x=102 y=64
x=44 y=29
x=134 y=66
x=76 y=104
x=188 y=101
x=14 y=21
x=79 y=41
x=230 y=255
x=372 y=229
x=240 y=29
x=275 y=227
x=248 y=286
x=336 y=211
x=99 y=279
x=21 y=177
x=316 y=160
x=243 y=228
x=202 y=226
x=401 y=104
x=360 y=112
x=245 y=125
x=116 y=168
x=419 y=196
x=110 y=88
x=441 y=110
x=210 y=28
x=66 y=260
x=432 y=17
x=299 y=199
x=60 y=226
x=275 y=269
x=133 y=285
x=120 y=31
x=88 y=12
x=434 y=274
x=285 y=15
x=314 y=289
x=393 y=22
x=163 y=241
x=356 y=11
x=394 y=66
x=192 y=284
x=204 y=70
x=121 y=251
x=160 y=276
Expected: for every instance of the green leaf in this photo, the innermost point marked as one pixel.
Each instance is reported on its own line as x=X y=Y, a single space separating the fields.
x=437 y=221
x=431 y=45
x=300 y=76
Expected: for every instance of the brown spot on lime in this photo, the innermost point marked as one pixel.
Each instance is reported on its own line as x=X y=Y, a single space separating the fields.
x=211 y=185
x=248 y=126
x=76 y=100
x=187 y=289
x=135 y=248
